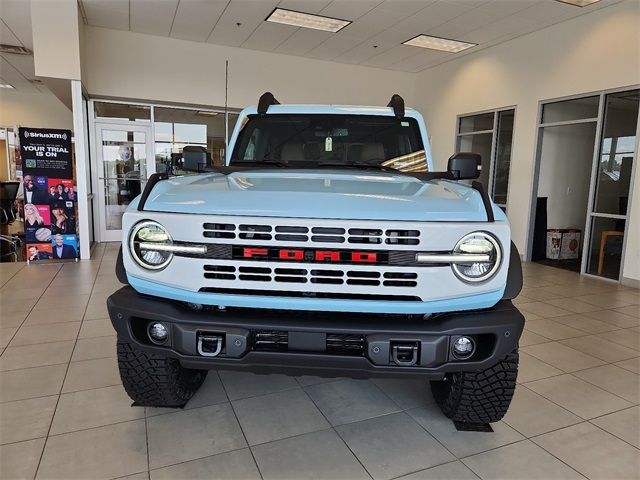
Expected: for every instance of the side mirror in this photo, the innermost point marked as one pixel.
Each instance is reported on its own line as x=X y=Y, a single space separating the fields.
x=195 y=158
x=464 y=165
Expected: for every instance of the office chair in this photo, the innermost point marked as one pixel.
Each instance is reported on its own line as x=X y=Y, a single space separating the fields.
x=8 y=215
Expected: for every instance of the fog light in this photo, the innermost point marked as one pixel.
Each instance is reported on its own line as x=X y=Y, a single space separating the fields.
x=158 y=333
x=463 y=347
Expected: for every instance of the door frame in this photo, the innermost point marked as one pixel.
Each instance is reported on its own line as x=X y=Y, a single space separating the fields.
x=494 y=143
x=601 y=94
x=105 y=235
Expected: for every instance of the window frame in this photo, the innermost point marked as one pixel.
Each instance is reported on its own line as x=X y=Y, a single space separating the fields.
x=494 y=144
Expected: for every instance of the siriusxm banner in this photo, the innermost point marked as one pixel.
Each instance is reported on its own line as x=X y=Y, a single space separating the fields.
x=49 y=194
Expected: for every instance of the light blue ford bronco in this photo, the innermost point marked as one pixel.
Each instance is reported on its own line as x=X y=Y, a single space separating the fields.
x=327 y=246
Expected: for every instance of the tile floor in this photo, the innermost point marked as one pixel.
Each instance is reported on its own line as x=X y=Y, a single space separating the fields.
x=64 y=414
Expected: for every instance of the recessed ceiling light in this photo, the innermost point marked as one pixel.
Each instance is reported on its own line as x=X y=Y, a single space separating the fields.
x=437 y=43
x=306 y=20
x=204 y=113
x=578 y=3
x=6 y=85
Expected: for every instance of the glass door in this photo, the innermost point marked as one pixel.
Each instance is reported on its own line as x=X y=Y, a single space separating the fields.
x=125 y=161
x=611 y=184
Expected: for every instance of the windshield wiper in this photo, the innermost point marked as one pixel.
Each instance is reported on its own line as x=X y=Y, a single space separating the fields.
x=359 y=165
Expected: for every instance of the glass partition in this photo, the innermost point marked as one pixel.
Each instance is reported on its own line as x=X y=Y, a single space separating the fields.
x=490 y=135
x=612 y=183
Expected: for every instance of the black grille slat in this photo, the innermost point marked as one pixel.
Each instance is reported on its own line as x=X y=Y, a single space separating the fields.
x=255 y=228
x=213 y=234
x=327 y=239
x=287 y=279
x=264 y=270
x=291 y=238
x=344 y=344
x=328 y=230
x=400 y=283
x=255 y=236
x=255 y=278
x=220 y=276
x=403 y=275
x=374 y=240
x=357 y=281
x=291 y=229
x=270 y=340
x=327 y=280
x=363 y=274
x=365 y=232
x=327 y=273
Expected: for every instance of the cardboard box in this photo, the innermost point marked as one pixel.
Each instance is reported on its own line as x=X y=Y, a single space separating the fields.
x=563 y=244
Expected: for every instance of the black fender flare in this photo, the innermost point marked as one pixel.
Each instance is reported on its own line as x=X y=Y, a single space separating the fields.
x=121 y=273
x=514 y=275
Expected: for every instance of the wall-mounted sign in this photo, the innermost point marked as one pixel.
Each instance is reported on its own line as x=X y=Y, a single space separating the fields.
x=49 y=194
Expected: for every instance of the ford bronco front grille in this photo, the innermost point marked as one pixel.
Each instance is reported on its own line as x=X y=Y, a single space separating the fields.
x=314 y=234
x=324 y=276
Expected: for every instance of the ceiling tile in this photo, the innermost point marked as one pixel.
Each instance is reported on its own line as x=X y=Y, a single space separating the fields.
x=195 y=19
x=22 y=63
x=417 y=60
x=389 y=57
x=12 y=76
x=112 y=14
x=269 y=36
x=363 y=51
x=335 y=46
x=349 y=9
x=153 y=17
x=239 y=20
x=302 y=41
x=16 y=14
x=549 y=12
x=7 y=37
x=306 y=6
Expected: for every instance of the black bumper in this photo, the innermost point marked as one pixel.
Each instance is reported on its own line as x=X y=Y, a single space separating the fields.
x=317 y=343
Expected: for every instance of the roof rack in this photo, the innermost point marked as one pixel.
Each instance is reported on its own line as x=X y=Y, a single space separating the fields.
x=266 y=100
x=397 y=103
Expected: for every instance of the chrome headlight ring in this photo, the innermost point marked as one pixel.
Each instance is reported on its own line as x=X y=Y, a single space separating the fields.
x=479 y=243
x=148 y=232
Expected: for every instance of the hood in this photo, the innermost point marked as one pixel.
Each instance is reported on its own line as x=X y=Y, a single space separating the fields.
x=337 y=194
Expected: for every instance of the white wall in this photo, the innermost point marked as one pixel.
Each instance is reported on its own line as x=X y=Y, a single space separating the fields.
x=593 y=52
x=56 y=38
x=133 y=65
x=40 y=110
x=565 y=173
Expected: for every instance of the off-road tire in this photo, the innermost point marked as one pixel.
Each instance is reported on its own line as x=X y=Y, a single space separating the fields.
x=155 y=381
x=478 y=397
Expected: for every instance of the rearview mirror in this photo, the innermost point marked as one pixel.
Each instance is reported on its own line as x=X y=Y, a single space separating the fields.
x=464 y=165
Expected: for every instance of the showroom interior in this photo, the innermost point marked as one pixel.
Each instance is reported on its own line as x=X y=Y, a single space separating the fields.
x=546 y=91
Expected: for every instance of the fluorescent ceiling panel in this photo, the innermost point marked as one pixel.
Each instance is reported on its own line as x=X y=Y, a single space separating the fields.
x=306 y=20
x=6 y=85
x=437 y=43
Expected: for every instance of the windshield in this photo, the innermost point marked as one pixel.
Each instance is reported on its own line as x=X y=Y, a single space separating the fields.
x=311 y=141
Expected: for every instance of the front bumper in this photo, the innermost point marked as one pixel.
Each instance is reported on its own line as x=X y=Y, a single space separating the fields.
x=317 y=343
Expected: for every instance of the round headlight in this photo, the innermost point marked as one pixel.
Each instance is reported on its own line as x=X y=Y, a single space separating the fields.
x=142 y=239
x=478 y=243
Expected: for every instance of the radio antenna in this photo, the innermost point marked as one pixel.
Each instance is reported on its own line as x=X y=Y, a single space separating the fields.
x=226 y=110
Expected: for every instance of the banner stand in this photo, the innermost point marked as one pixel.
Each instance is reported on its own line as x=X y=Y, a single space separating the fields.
x=50 y=197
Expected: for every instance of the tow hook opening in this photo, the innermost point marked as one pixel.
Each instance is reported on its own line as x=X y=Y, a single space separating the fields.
x=405 y=354
x=210 y=344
